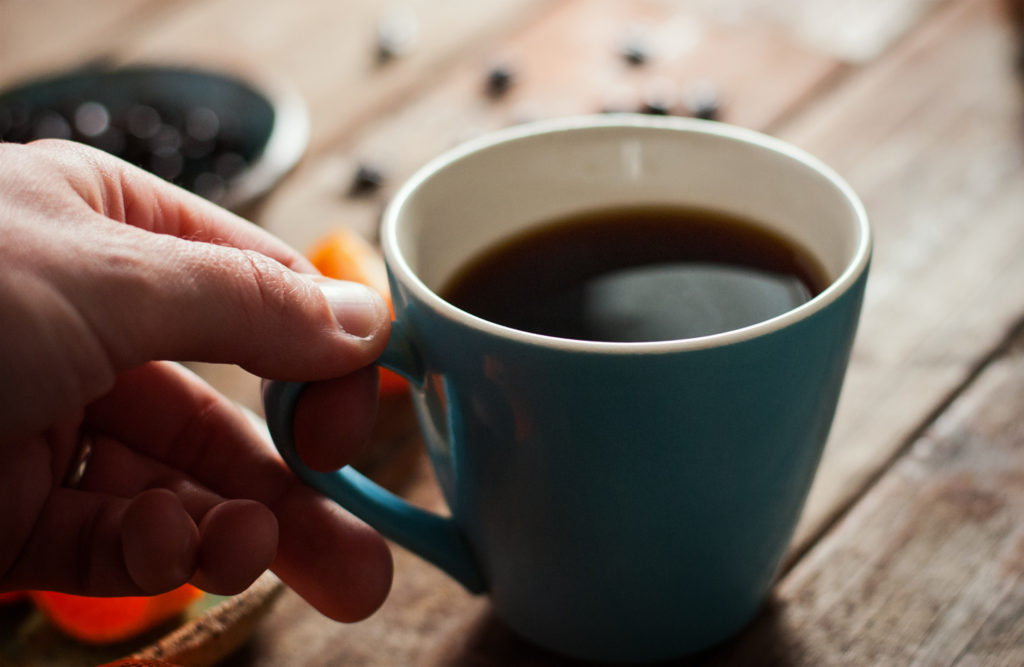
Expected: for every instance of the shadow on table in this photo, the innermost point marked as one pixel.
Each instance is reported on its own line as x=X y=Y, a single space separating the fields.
x=484 y=641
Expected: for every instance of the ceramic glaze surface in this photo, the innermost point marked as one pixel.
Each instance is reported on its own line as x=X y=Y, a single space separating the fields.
x=617 y=501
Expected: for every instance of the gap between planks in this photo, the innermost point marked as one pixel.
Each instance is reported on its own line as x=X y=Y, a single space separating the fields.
x=1011 y=338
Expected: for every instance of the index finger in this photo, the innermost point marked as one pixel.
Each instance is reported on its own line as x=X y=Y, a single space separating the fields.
x=126 y=193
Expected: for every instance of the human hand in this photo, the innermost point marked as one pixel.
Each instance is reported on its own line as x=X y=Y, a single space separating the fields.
x=108 y=271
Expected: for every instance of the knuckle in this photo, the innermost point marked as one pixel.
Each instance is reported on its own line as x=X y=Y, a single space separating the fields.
x=53 y=146
x=271 y=290
x=274 y=298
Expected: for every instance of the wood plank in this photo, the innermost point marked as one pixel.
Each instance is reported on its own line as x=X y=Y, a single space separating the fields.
x=567 y=62
x=930 y=139
x=424 y=606
x=42 y=36
x=934 y=306
x=929 y=568
x=855 y=31
x=942 y=292
x=328 y=50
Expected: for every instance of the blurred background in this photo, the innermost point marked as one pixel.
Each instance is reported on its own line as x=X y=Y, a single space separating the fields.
x=305 y=117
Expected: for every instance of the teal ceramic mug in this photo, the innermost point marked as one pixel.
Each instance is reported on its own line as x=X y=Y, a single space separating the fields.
x=616 y=501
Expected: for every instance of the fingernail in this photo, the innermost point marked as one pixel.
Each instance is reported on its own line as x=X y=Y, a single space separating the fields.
x=358 y=309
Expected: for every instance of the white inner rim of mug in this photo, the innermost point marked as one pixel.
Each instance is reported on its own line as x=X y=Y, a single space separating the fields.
x=498 y=185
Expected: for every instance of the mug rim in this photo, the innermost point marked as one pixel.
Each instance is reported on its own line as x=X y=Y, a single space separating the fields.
x=404 y=273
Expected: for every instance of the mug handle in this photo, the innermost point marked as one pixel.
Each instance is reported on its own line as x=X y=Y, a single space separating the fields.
x=435 y=538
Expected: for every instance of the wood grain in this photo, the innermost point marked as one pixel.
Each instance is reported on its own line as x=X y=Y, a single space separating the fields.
x=900 y=133
x=929 y=137
x=41 y=36
x=328 y=50
x=566 y=62
x=928 y=569
x=207 y=640
x=910 y=550
x=856 y=31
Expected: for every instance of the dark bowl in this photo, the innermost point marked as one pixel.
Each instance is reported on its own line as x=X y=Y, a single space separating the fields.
x=222 y=137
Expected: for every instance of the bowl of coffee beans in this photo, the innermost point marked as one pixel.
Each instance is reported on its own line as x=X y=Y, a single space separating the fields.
x=216 y=134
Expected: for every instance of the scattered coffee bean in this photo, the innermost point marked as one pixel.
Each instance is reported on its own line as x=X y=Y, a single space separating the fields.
x=499 y=79
x=634 y=52
x=702 y=101
x=656 y=107
x=396 y=33
x=660 y=97
x=367 y=178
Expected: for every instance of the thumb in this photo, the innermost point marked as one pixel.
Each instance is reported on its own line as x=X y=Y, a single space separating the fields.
x=155 y=296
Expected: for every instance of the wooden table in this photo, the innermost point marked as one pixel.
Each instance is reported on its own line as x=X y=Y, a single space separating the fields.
x=911 y=547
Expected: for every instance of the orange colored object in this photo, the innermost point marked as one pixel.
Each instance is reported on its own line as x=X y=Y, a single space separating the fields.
x=345 y=255
x=12 y=597
x=108 y=620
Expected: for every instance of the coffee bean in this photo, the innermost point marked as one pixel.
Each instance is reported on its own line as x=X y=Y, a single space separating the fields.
x=51 y=125
x=202 y=124
x=91 y=119
x=199 y=147
x=166 y=141
x=702 y=101
x=656 y=107
x=367 y=178
x=168 y=165
x=209 y=185
x=194 y=149
x=112 y=141
x=660 y=97
x=634 y=52
x=229 y=164
x=396 y=33
x=499 y=79
x=142 y=121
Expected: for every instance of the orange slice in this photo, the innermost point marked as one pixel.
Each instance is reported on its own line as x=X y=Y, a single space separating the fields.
x=107 y=620
x=345 y=255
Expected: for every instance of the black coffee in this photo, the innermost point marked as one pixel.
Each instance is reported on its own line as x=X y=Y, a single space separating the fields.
x=638 y=274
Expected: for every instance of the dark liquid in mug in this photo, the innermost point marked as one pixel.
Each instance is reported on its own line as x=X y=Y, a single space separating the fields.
x=638 y=274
